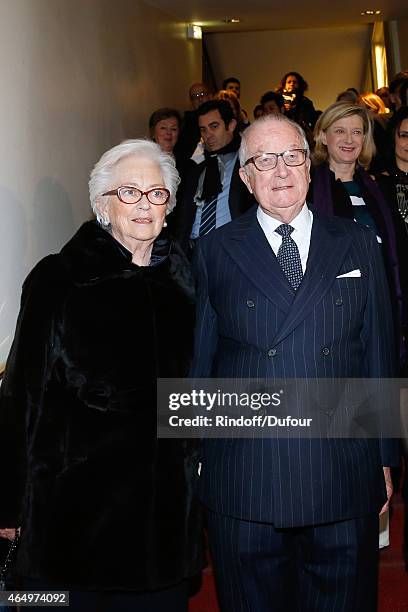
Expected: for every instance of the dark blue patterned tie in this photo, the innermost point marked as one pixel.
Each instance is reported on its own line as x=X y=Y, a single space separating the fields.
x=208 y=217
x=288 y=256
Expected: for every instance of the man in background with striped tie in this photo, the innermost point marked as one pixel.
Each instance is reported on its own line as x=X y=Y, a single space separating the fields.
x=284 y=293
x=211 y=192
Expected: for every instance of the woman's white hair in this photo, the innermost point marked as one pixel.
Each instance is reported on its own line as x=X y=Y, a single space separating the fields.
x=101 y=175
x=262 y=122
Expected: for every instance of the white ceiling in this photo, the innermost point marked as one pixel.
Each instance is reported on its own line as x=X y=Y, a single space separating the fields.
x=279 y=14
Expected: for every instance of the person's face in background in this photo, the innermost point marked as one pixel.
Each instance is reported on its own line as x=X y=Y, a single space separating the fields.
x=235 y=87
x=231 y=98
x=395 y=100
x=344 y=140
x=214 y=132
x=166 y=132
x=401 y=146
x=258 y=112
x=198 y=95
x=292 y=84
x=384 y=94
x=271 y=108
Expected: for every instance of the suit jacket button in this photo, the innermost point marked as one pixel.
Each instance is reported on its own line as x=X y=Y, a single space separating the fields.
x=339 y=301
x=326 y=351
x=272 y=352
x=250 y=303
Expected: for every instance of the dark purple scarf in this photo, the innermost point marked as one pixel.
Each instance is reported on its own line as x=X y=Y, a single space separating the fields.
x=323 y=202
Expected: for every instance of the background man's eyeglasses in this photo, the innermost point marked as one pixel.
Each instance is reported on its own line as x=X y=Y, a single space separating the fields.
x=132 y=195
x=199 y=94
x=268 y=161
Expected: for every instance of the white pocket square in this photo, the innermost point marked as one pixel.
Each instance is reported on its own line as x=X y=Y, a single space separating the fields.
x=351 y=274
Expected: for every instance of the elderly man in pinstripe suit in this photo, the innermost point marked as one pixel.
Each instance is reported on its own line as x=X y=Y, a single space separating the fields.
x=285 y=293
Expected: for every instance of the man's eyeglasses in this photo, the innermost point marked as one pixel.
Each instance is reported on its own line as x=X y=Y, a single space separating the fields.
x=268 y=161
x=131 y=195
x=199 y=94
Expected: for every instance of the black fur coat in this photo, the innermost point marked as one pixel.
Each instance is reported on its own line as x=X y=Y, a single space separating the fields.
x=103 y=504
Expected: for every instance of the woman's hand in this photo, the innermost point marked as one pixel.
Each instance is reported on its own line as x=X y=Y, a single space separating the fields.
x=8 y=533
x=389 y=487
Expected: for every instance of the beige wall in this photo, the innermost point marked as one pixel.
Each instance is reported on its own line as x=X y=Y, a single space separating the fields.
x=403 y=42
x=330 y=59
x=78 y=76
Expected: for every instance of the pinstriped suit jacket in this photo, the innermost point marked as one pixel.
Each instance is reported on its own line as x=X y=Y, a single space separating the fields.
x=329 y=328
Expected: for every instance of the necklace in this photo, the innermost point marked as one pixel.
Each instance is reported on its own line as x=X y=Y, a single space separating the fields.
x=402 y=201
x=403 y=210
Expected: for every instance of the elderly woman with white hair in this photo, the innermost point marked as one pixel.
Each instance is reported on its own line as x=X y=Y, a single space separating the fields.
x=106 y=510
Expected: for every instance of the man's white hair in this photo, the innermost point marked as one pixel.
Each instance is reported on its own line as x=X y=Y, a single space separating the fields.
x=102 y=173
x=263 y=122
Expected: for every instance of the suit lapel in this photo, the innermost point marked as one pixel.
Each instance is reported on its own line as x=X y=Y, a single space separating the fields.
x=247 y=245
x=328 y=248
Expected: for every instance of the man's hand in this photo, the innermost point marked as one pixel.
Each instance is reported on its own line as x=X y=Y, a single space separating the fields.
x=8 y=533
x=389 y=487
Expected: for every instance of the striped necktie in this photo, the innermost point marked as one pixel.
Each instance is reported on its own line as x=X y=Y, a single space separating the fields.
x=208 y=217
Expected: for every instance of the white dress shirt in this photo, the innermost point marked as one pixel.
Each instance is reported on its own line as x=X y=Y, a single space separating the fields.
x=301 y=234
